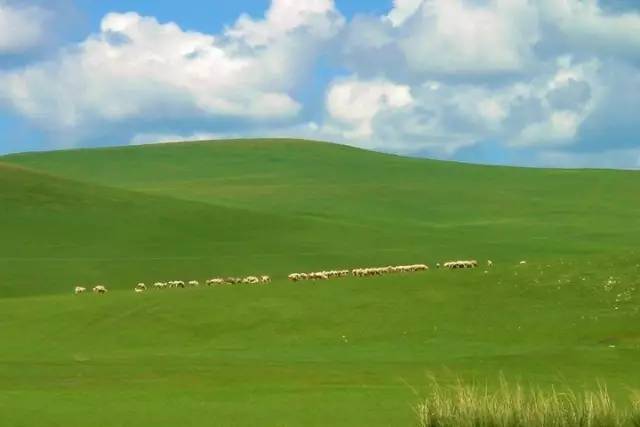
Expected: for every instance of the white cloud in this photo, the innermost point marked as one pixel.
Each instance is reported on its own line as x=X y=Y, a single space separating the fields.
x=21 y=27
x=318 y=18
x=441 y=117
x=563 y=108
x=560 y=127
x=457 y=37
x=454 y=36
x=469 y=38
x=353 y=104
x=136 y=67
x=402 y=10
x=161 y=138
x=587 y=26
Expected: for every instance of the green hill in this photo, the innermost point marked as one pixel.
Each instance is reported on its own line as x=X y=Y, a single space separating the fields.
x=342 y=352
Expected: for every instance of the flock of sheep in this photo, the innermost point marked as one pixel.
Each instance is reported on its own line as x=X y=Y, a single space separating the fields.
x=318 y=275
x=463 y=264
x=357 y=272
x=141 y=287
x=249 y=280
x=295 y=277
x=99 y=289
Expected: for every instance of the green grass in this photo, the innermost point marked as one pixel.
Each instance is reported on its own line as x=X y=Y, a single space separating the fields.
x=275 y=355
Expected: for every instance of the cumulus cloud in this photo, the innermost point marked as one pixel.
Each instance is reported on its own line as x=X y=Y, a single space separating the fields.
x=448 y=37
x=318 y=18
x=353 y=104
x=137 y=67
x=541 y=75
x=454 y=36
x=21 y=27
x=587 y=27
x=500 y=35
x=442 y=117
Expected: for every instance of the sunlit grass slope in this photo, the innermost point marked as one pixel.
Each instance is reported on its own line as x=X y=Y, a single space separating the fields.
x=547 y=211
x=343 y=352
x=59 y=232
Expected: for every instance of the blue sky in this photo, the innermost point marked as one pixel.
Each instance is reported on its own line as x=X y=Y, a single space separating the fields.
x=535 y=83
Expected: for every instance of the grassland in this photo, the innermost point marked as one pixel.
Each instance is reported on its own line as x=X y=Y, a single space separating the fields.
x=276 y=355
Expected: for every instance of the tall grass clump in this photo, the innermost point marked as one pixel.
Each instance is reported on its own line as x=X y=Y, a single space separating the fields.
x=635 y=411
x=508 y=405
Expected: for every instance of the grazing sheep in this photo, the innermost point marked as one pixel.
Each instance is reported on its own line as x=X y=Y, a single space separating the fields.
x=176 y=284
x=461 y=264
x=99 y=289
x=160 y=285
x=489 y=263
x=320 y=275
x=79 y=290
x=215 y=281
x=194 y=283
x=265 y=279
x=357 y=272
x=251 y=280
x=141 y=286
x=138 y=290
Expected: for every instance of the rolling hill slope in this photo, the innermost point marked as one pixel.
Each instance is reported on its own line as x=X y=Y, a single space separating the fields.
x=120 y=215
x=343 y=352
x=58 y=232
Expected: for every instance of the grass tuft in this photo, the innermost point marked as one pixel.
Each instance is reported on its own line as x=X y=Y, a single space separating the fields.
x=463 y=405
x=635 y=409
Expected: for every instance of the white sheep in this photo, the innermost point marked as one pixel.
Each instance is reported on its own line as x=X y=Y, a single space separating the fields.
x=99 y=289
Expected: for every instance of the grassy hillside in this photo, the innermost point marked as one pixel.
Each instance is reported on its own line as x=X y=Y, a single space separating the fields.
x=59 y=232
x=343 y=352
x=547 y=208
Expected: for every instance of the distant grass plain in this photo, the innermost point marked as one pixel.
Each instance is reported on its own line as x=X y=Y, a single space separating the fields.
x=351 y=351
